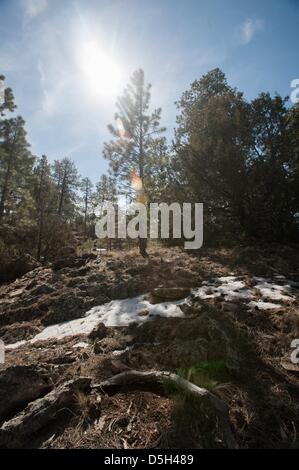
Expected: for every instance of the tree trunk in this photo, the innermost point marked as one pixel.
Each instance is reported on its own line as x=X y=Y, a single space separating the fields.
x=142 y=244
x=40 y=237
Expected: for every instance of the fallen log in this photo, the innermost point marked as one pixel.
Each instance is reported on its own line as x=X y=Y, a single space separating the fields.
x=16 y=432
x=149 y=379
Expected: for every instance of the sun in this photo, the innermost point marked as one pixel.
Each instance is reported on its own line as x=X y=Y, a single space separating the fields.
x=100 y=72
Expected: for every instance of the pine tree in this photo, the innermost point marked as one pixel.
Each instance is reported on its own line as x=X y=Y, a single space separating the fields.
x=66 y=177
x=137 y=138
x=7 y=104
x=105 y=191
x=15 y=167
x=44 y=197
x=212 y=142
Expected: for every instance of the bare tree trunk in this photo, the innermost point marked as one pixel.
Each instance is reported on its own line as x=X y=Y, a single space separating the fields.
x=40 y=237
x=142 y=244
x=62 y=194
x=85 y=217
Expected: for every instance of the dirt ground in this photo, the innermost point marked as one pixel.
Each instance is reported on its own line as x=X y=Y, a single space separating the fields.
x=240 y=355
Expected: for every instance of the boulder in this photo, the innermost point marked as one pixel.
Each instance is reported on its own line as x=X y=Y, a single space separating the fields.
x=18 y=267
x=167 y=294
x=68 y=262
x=18 y=431
x=99 y=332
x=20 y=385
x=42 y=289
x=64 y=308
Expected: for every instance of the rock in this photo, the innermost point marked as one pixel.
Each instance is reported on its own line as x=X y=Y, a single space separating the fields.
x=99 y=332
x=18 y=431
x=98 y=277
x=107 y=345
x=22 y=314
x=18 y=267
x=289 y=366
x=18 y=331
x=42 y=290
x=73 y=273
x=230 y=307
x=20 y=385
x=98 y=349
x=118 y=366
x=166 y=294
x=94 y=290
x=143 y=313
x=70 y=262
x=89 y=256
x=125 y=289
x=64 y=308
x=16 y=293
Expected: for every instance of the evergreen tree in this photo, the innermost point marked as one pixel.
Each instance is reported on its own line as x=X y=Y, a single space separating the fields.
x=6 y=104
x=105 y=191
x=66 y=177
x=15 y=168
x=137 y=138
x=44 y=196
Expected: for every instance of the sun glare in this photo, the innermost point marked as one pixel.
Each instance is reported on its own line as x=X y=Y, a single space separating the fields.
x=101 y=73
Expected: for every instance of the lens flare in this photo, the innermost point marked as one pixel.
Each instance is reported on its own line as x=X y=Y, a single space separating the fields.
x=136 y=181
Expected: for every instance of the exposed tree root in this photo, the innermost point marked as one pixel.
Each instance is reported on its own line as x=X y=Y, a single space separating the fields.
x=149 y=379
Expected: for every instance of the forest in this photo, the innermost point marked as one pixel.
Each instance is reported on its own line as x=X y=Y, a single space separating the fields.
x=240 y=159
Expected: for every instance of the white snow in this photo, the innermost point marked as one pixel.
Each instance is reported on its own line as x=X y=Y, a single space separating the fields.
x=125 y=312
x=263 y=305
x=15 y=345
x=115 y=313
x=271 y=291
x=80 y=345
x=119 y=352
x=226 y=286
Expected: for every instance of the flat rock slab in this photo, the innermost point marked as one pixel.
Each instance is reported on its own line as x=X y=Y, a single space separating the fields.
x=20 y=385
x=17 y=432
x=166 y=294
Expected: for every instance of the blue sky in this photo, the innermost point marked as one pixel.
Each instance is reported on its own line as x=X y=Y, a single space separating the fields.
x=67 y=60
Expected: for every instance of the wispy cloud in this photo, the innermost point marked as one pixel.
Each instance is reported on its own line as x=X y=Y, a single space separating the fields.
x=249 y=29
x=33 y=8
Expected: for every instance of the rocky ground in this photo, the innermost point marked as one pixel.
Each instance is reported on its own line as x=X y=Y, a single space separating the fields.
x=238 y=315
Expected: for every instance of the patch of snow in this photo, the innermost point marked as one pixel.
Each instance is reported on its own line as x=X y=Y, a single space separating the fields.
x=115 y=313
x=273 y=291
x=206 y=292
x=124 y=312
x=81 y=345
x=15 y=345
x=225 y=279
x=122 y=351
x=228 y=287
x=263 y=305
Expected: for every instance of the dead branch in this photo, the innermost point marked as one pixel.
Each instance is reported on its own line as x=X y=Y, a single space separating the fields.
x=157 y=378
